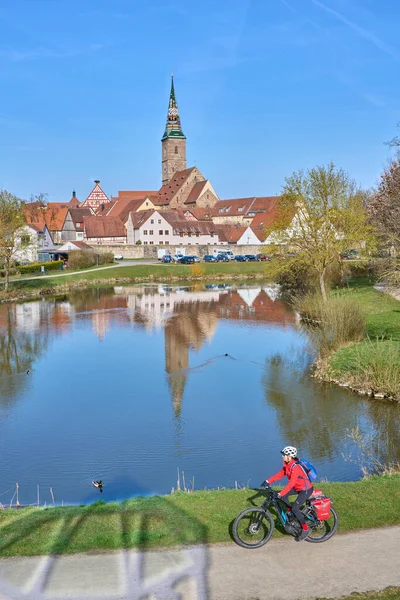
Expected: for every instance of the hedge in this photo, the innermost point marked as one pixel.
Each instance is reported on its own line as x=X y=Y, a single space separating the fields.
x=36 y=267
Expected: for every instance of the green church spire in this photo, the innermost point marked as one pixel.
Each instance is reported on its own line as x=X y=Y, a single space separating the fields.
x=173 y=128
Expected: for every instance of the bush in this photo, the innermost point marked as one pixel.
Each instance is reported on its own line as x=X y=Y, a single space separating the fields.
x=197 y=271
x=81 y=259
x=37 y=267
x=12 y=271
x=105 y=258
x=333 y=323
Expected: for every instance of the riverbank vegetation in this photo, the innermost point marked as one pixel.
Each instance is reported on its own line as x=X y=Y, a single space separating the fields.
x=390 y=593
x=358 y=332
x=177 y=519
x=31 y=288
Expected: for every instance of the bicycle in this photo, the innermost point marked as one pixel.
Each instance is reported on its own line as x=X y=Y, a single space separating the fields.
x=254 y=526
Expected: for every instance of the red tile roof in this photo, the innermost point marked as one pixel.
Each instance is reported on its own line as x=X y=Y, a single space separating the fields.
x=140 y=217
x=231 y=233
x=195 y=192
x=201 y=214
x=247 y=206
x=123 y=206
x=50 y=214
x=168 y=190
x=134 y=194
x=77 y=215
x=97 y=227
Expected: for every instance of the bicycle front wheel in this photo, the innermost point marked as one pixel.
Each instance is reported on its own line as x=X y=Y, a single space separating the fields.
x=253 y=527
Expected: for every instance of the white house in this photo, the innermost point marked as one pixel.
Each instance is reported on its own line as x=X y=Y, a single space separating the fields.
x=155 y=227
x=33 y=244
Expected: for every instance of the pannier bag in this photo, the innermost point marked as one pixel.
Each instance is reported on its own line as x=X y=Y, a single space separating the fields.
x=322 y=508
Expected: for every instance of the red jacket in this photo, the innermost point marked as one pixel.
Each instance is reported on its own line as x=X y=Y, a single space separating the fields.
x=297 y=477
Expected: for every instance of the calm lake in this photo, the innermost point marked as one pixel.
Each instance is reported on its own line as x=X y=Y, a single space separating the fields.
x=128 y=384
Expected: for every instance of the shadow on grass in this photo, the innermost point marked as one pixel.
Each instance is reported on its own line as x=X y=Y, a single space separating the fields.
x=136 y=524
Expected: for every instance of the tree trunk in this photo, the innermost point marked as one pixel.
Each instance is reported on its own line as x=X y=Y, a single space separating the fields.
x=322 y=286
x=7 y=269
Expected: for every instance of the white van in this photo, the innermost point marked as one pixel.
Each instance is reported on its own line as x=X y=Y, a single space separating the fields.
x=161 y=252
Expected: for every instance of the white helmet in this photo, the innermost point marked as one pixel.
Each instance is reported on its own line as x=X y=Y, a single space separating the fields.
x=289 y=451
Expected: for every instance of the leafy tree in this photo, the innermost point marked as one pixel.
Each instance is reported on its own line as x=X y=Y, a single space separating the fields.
x=12 y=218
x=321 y=214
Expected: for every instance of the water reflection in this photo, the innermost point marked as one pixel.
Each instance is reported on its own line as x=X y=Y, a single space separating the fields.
x=110 y=366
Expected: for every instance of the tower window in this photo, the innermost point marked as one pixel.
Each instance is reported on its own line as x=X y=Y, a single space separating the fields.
x=176 y=149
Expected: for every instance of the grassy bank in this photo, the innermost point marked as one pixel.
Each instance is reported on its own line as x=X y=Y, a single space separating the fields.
x=23 y=289
x=390 y=593
x=373 y=364
x=177 y=519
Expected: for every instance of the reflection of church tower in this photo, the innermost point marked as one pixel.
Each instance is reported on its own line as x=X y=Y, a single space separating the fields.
x=173 y=142
x=176 y=362
x=100 y=323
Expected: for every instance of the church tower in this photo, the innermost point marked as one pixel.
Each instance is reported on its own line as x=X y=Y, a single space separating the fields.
x=173 y=142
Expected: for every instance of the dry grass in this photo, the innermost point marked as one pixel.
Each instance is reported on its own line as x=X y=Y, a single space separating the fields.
x=334 y=323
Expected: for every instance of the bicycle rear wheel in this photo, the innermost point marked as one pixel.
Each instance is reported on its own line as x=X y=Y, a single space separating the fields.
x=253 y=527
x=324 y=530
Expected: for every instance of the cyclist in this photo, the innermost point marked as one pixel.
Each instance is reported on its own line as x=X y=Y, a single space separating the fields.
x=299 y=483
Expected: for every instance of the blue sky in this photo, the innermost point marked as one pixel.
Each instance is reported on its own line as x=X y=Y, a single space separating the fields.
x=264 y=87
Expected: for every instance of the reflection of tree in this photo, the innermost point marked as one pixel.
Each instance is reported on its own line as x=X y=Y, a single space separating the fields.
x=311 y=416
x=19 y=348
x=386 y=419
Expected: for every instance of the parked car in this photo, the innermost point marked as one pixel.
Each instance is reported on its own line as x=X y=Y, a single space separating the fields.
x=349 y=254
x=196 y=259
x=118 y=257
x=250 y=257
x=263 y=257
x=209 y=258
x=186 y=260
x=222 y=258
x=177 y=257
x=240 y=258
x=167 y=258
x=161 y=252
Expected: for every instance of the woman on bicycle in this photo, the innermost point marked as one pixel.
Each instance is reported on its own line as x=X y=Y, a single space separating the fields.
x=299 y=483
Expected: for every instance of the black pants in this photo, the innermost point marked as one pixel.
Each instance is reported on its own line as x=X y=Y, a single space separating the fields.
x=301 y=498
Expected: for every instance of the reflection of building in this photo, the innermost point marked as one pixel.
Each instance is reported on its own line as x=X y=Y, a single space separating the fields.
x=189 y=329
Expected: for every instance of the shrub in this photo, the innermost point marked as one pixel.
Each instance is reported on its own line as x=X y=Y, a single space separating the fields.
x=197 y=271
x=81 y=259
x=138 y=243
x=12 y=271
x=37 y=267
x=334 y=323
x=106 y=257
x=377 y=364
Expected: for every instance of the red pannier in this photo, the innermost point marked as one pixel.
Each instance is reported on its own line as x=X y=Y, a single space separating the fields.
x=322 y=508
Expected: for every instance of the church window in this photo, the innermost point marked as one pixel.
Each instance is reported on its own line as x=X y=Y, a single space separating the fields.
x=176 y=149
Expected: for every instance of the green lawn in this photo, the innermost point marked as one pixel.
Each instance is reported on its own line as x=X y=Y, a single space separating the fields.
x=143 y=272
x=180 y=518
